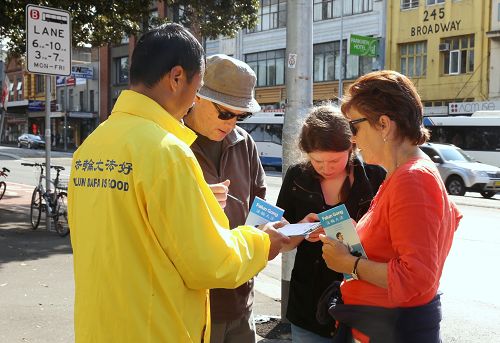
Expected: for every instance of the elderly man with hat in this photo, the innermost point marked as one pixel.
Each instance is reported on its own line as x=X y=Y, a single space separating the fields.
x=230 y=162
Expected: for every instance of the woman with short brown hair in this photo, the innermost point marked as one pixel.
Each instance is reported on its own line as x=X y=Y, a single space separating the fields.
x=409 y=228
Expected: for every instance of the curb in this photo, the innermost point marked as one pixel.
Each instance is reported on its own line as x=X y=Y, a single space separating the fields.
x=16 y=157
x=458 y=200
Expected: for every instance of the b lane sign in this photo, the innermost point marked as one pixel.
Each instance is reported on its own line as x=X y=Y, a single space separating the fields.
x=48 y=41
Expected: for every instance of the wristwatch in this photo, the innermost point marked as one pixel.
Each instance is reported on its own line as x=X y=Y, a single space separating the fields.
x=354 y=272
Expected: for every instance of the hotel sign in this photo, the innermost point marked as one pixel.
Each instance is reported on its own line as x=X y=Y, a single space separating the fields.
x=362 y=46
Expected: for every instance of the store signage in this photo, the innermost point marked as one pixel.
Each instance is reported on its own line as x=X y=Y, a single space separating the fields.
x=39 y=105
x=471 y=107
x=81 y=72
x=48 y=40
x=362 y=46
x=36 y=105
x=66 y=81
x=433 y=23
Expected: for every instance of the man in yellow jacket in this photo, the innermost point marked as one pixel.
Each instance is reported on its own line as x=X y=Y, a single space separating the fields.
x=149 y=238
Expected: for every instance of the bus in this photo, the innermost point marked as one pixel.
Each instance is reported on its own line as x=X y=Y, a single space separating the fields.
x=266 y=129
x=478 y=135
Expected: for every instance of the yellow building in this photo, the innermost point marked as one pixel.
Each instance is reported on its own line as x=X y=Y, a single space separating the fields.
x=442 y=46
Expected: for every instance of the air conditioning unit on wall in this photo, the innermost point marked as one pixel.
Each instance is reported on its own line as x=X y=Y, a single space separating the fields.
x=444 y=47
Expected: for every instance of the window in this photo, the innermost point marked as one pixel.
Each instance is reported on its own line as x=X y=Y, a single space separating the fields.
x=62 y=100
x=480 y=138
x=269 y=66
x=328 y=9
x=39 y=83
x=91 y=100
x=121 y=65
x=498 y=11
x=11 y=91
x=153 y=18
x=413 y=59
x=272 y=15
x=82 y=101
x=19 y=89
x=460 y=57
x=264 y=132
x=177 y=13
x=70 y=100
x=407 y=4
x=326 y=62
x=435 y=2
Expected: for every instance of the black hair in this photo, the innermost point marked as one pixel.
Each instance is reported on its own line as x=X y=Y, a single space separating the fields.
x=161 y=49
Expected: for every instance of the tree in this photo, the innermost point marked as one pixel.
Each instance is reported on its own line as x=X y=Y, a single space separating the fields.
x=102 y=22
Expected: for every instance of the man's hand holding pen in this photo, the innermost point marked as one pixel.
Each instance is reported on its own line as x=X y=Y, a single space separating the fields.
x=221 y=190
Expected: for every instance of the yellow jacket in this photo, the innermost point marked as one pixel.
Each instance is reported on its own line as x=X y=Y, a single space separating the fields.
x=149 y=238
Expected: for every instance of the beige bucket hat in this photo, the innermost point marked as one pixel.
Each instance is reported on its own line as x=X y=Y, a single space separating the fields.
x=229 y=82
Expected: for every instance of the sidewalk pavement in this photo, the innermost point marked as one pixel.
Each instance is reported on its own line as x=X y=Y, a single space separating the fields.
x=36 y=275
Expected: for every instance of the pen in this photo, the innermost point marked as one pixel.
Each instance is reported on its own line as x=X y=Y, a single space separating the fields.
x=235 y=198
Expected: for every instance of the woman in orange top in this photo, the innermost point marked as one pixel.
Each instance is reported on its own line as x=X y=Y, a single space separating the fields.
x=409 y=228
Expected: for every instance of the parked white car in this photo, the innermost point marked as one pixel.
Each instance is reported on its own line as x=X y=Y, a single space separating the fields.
x=461 y=173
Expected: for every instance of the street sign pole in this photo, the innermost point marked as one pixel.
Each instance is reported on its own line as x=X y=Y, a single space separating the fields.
x=48 y=143
x=48 y=52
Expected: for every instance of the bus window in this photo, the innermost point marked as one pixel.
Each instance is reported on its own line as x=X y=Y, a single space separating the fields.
x=263 y=132
x=272 y=133
x=478 y=138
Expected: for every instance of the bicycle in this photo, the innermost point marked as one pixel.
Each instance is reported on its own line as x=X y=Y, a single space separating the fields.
x=54 y=202
x=3 y=185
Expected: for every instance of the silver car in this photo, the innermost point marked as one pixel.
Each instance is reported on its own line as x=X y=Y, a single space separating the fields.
x=461 y=173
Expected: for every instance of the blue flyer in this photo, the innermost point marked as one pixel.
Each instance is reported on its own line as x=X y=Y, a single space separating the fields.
x=263 y=212
x=338 y=225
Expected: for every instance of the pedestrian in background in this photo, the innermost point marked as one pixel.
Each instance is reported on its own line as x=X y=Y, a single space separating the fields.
x=407 y=232
x=230 y=162
x=330 y=176
x=148 y=235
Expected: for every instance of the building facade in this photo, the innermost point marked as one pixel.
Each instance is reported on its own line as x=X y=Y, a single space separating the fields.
x=494 y=37
x=115 y=59
x=264 y=47
x=77 y=100
x=16 y=117
x=74 y=101
x=442 y=46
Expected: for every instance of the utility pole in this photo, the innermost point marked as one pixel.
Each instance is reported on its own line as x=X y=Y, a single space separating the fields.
x=3 y=75
x=341 y=52
x=299 y=86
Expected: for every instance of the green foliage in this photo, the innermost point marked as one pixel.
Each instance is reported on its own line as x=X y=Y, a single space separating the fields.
x=102 y=22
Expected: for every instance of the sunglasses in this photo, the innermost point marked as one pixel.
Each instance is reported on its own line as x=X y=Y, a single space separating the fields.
x=225 y=115
x=352 y=124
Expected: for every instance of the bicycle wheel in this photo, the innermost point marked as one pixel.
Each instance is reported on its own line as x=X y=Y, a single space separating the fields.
x=36 y=208
x=61 y=218
x=3 y=187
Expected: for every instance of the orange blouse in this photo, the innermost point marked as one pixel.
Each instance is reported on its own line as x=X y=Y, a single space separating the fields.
x=410 y=226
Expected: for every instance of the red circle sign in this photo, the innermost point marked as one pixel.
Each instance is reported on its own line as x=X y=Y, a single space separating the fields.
x=34 y=14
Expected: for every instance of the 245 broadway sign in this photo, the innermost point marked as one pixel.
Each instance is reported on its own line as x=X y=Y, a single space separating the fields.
x=433 y=23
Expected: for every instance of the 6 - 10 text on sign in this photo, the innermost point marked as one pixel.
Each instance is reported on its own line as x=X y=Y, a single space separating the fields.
x=48 y=40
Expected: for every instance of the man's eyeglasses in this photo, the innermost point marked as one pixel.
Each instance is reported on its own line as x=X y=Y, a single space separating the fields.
x=226 y=115
x=352 y=124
